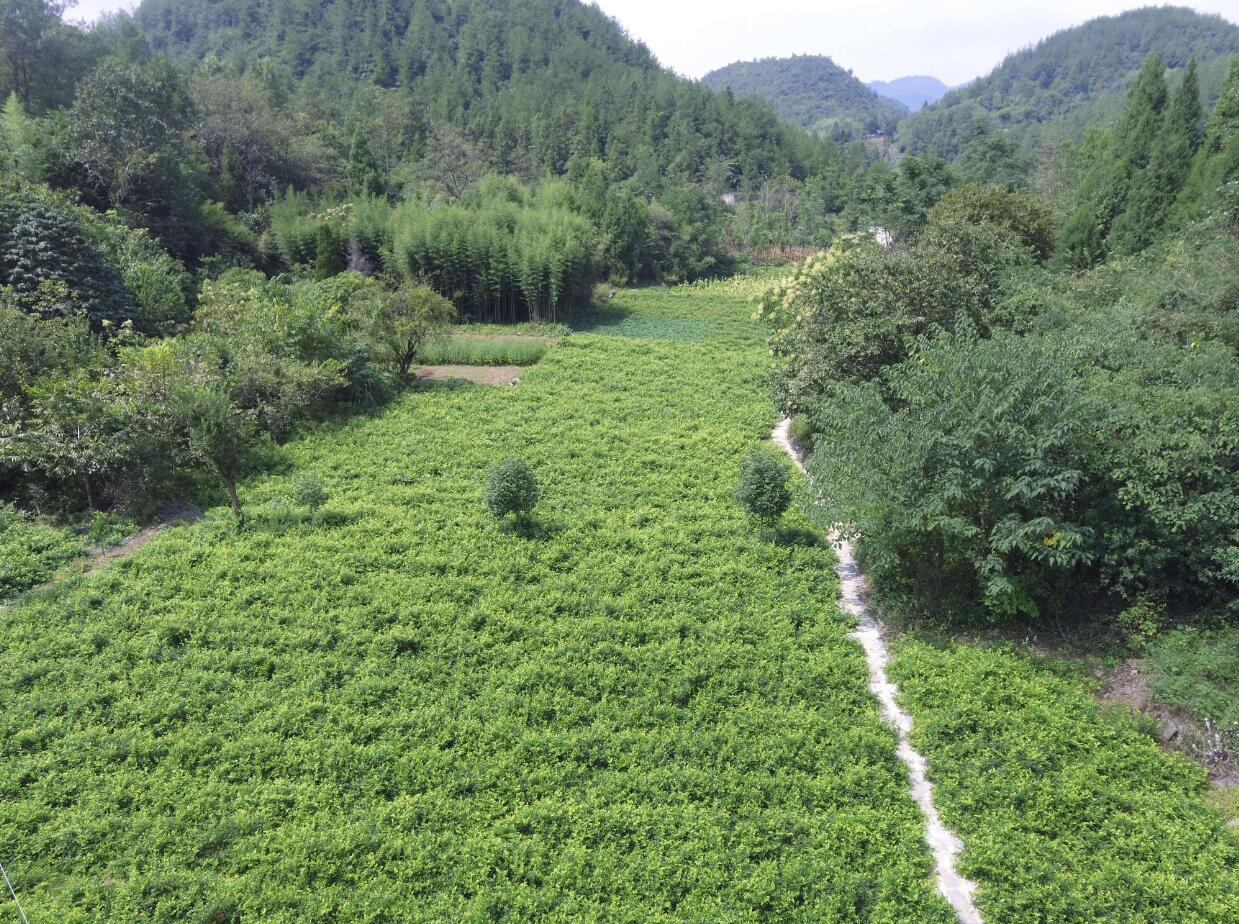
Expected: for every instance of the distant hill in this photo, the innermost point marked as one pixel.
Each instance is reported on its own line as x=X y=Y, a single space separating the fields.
x=811 y=91
x=1073 y=79
x=912 y=92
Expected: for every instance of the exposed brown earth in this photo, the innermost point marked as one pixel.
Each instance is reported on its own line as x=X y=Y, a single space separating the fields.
x=479 y=375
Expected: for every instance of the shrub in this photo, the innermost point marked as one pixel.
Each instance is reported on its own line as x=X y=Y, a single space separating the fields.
x=40 y=243
x=309 y=492
x=511 y=489
x=399 y=323
x=853 y=310
x=1019 y=211
x=965 y=472
x=762 y=487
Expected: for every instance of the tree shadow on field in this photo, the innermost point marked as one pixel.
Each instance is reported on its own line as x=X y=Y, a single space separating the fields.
x=599 y=317
x=797 y=536
x=533 y=529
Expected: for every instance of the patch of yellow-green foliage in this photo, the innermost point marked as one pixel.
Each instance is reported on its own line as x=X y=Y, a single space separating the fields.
x=394 y=709
x=1067 y=814
x=31 y=552
x=637 y=707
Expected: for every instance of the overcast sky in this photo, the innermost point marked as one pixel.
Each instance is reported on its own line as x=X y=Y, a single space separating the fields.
x=953 y=40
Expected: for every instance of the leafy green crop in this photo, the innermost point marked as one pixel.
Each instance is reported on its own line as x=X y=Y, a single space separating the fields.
x=483 y=351
x=1068 y=815
x=399 y=710
x=30 y=553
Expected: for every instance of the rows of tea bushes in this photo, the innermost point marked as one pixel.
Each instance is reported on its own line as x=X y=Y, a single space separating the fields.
x=1068 y=815
x=635 y=708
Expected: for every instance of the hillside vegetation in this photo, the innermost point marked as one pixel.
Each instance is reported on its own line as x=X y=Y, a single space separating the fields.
x=564 y=645
x=1073 y=79
x=811 y=91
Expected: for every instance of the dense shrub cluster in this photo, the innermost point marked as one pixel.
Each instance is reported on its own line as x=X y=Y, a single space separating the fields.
x=40 y=244
x=122 y=422
x=1008 y=439
x=848 y=312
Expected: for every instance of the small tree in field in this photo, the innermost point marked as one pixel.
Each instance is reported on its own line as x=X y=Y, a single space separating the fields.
x=309 y=492
x=401 y=321
x=511 y=489
x=762 y=489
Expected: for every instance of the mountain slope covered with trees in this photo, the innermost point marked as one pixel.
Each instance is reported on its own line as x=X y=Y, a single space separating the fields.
x=811 y=91
x=534 y=83
x=1073 y=79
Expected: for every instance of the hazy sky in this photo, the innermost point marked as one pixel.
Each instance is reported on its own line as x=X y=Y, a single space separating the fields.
x=954 y=40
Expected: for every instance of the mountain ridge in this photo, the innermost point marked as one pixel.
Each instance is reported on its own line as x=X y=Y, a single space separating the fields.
x=1073 y=78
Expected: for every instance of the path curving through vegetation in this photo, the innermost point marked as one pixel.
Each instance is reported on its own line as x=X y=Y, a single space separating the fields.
x=944 y=845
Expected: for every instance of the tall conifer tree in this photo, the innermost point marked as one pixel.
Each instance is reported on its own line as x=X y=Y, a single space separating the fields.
x=1155 y=187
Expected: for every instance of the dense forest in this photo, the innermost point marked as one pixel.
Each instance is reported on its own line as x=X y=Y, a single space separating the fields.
x=1072 y=80
x=811 y=91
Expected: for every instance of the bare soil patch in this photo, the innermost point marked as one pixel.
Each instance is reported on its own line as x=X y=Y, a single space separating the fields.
x=479 y=375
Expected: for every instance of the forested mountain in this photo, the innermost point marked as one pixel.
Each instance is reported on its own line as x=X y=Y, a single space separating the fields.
x=533 y=82
x=912 y=92
x=1074 y=79
x=811 y=91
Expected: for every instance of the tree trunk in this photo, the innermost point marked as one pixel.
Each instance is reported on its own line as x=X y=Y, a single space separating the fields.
x=90 y=495
x=230 y=485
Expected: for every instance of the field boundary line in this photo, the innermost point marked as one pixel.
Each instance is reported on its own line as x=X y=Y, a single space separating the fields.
x=942 y=842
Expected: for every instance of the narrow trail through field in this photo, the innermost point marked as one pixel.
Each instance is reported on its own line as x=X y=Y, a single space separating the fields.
x=942 y=842
x=98 y=559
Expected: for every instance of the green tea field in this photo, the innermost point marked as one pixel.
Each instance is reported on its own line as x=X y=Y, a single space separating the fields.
x=641 y=708
x=398 y=711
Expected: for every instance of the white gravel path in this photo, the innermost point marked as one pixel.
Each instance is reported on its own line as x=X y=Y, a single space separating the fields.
x=944 y=845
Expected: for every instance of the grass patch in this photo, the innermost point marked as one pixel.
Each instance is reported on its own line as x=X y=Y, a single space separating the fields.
x=717 y=310
x=1067 y=814
x=1197 y=671
x=638 y=709
x=32 y=552
x=482 y=351
x=519 y=329
x=1226 y=798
